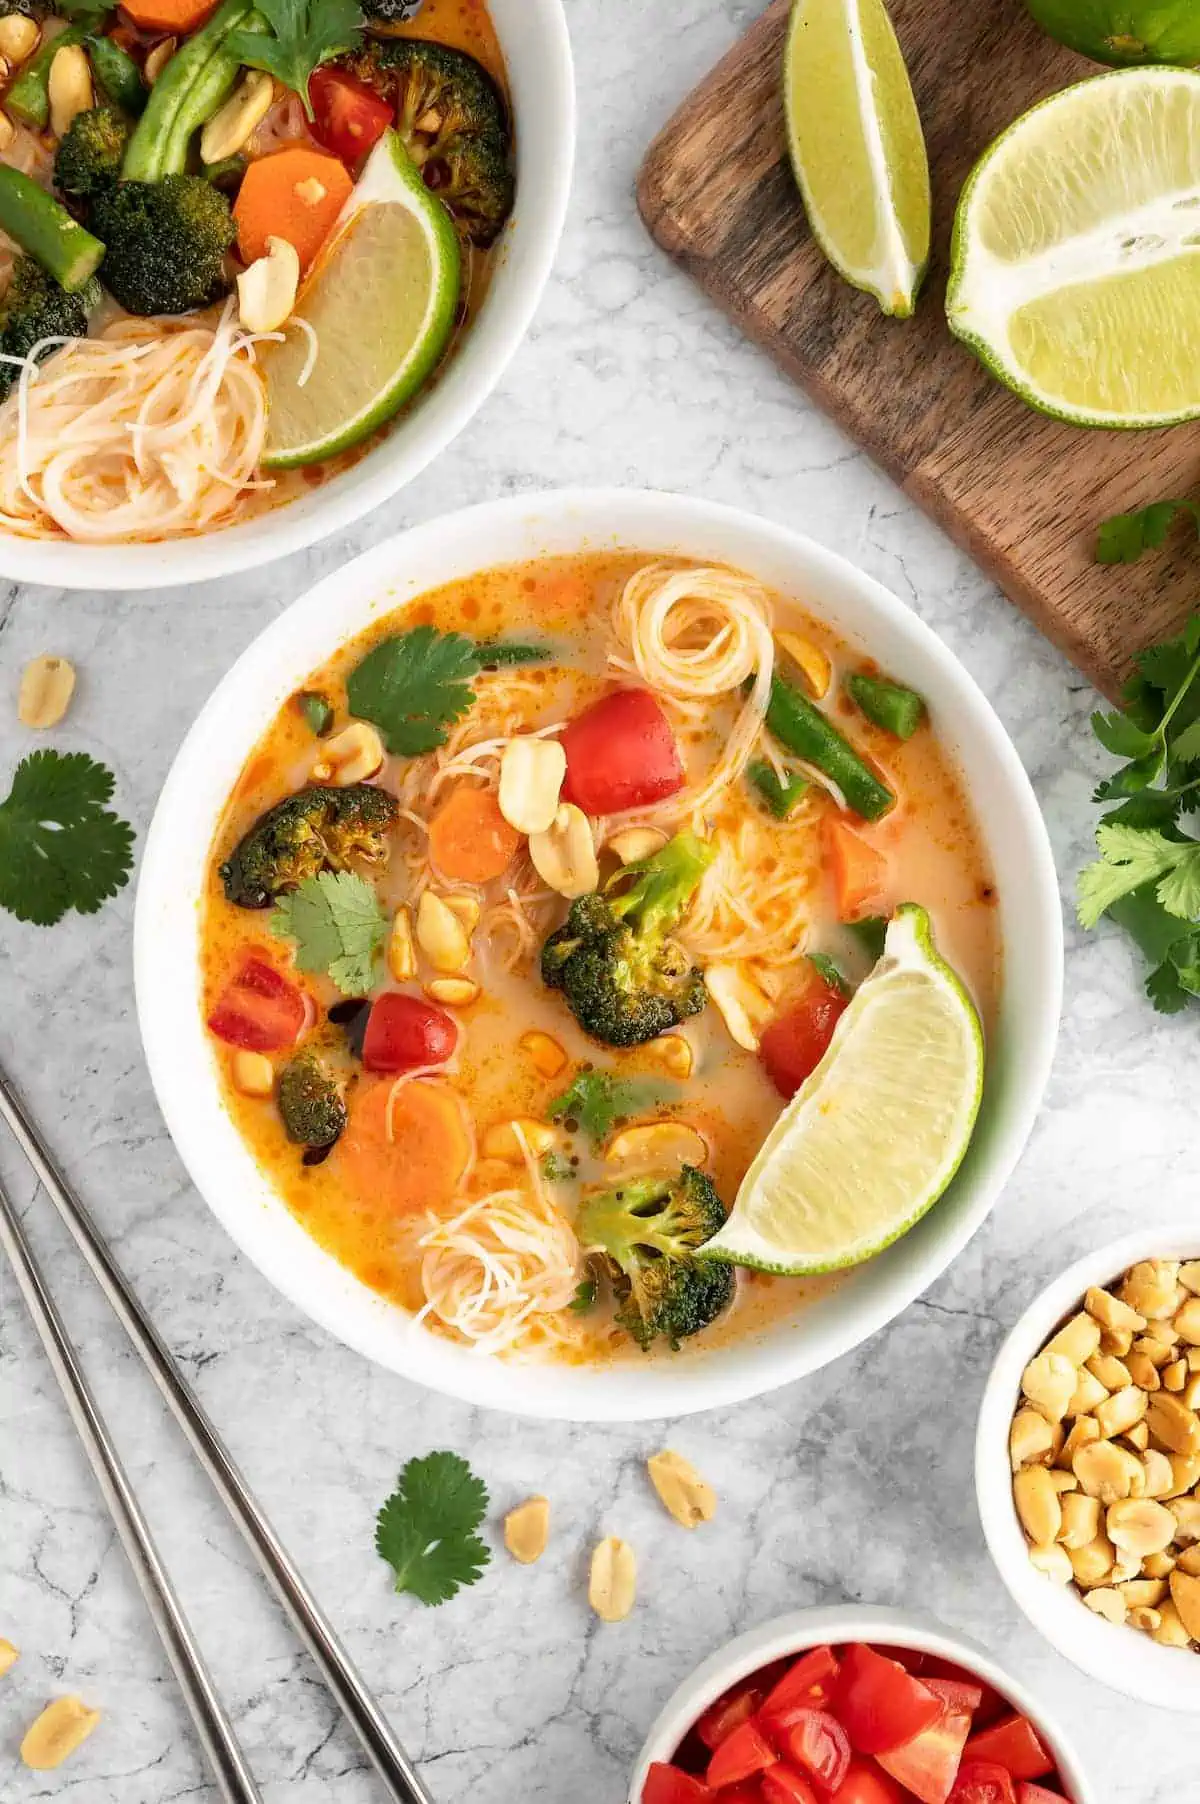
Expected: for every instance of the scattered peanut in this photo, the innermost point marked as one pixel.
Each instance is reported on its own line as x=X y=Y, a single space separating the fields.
x=352 y=755
x=253 y=1073
x=657 y=1145
x=612 y=1585
x=675 y=1051
x=466 y=909
x=1158 y=1565
x=1172 y=1423
x=1143 y=1617
x=441 y=935
x=1083 y=1433
x=452 y=992
x=531 y=776
x=503 y=1140
x=1107 y=1471
x=527 y=1530
x=1142 y=1371
x=9 y=1655
x=812 y=662
x=1137 y=1437
x=682 y=1491
x=231 y=125
x=545 y=1053
x=564 y=856
x=1170 y=1631
x=69 y=87
x=1157 y=1468
x=18 y=38
x=266 y=295
x=47 y=684
x=158 y=59
x=1189 y=1275
x=401 y=953
x=62 y=1727
x=8 y=131
x=740 y=1003
x=1175 y=1375
x=636 y=843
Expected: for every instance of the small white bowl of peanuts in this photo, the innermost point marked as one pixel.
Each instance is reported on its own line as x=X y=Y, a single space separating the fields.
x=1087 y=1465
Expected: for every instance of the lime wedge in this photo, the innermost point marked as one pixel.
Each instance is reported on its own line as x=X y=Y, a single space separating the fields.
x=873 y=1137
x=856 y=146
x=1076 y=255
x=381 y=301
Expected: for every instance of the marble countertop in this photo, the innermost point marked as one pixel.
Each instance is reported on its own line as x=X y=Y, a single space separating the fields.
x=855 y=1484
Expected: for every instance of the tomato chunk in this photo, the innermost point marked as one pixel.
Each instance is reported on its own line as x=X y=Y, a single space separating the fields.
x=405 y=1031
x=928 y=1765
x=879 y=1704
x=350 y=118
x=866 y=1784
x=794 y=1044
x=621 y=753
x=1036 y=1794
x=808 y=1683
x=982 y=1782
x=260 y=1010
x=816 y=1742
x=727 y=1714
x=671 y=1785
x=745 y=1752
x=779 y=1785
x=1014 y=1745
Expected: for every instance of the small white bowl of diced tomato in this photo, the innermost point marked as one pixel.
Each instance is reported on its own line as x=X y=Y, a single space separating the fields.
x=855 y=1706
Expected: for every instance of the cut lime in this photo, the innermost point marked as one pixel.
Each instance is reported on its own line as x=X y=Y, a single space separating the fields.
x=856 y=146
x=872 y=1138
x=1075 y=266
x=1124 y=31
x=381 y=302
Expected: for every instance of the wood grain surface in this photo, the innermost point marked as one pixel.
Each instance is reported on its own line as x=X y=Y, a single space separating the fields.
x=1021 y=493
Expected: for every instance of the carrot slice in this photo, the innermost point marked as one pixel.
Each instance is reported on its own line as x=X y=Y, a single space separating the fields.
x=295 y=194
x=469 y=839
x=859 y=871
x=422 y=1164
x=176 y=16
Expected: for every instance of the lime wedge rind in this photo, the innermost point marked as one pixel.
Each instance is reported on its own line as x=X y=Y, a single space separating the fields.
x=876 y=1133
x=394 y=231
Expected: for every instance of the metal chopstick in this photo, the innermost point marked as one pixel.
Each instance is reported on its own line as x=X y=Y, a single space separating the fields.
x=353 y=1699
x=213 y=1726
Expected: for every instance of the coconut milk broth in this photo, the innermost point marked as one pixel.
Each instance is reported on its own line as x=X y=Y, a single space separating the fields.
x=932 y=842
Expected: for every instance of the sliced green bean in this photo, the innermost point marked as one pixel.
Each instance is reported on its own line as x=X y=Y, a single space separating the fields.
x=187 y=92
x=803 y=730
x=44 y=228
x=897 y=710
x=498 y=653
x=779 y=794
x=118 y=75
x=29 y=97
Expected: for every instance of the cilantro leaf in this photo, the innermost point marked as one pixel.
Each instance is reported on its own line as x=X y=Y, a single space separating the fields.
x=426 y=1529
x=828 y=969
x=338 y=925
x=584 y=1298
x=1165 y=990
x=1122 y=736
x=59 y=846
x=1129 y=857
x=1124 y=538
x=304 y=34
x=597 y=1099
x=413 y=685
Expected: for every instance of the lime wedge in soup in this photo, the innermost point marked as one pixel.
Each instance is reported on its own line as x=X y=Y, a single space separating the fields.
x=874 y=1135
x=381 y=302
x=856 y=146
x=1075 y=265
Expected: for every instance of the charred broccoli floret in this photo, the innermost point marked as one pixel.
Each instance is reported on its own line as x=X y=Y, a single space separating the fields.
x=452 y=121
x=89 y=156
x=645 y=1235
x=317 y=829
x=310 y=1102
x=624 y=978
x=37 y=10
x=35 y=307
x=166 y=243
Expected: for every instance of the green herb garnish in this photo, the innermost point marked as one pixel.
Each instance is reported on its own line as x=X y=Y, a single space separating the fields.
x=780 y=794
x=494 y=654
x=1124 y=538
x=317 y=711
x=557 y=1170
x=826 y=968
x=413 y=686
x=338 y=926
x=870 y=933
x=303 y=35
x=59 y=846
x=584 y=1298
x=426 y=1529
x=597 y=1099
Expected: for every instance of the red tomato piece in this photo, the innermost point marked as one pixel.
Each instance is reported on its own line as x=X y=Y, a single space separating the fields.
x=991 y=1706
x=1014 y=1745
x=982 y=1782
x=866 y=1784
x=350 y=118
x=928 y=1765
x=779 y=1785
x=816 y=1742
x=671 y=1785
x=745 y=1752
x=1036 y=1794
x=794 y=1044
x=727 y=1714
x=621 y=753
x=808 y=1683
x=404 y=1032
x=878 y=1703
x=260 y=1010
x=749 y=1793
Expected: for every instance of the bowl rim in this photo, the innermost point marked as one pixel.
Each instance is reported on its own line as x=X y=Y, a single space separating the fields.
x=799 y=1630
x=537 y=51
x=332 y=611
x=1163 y=1676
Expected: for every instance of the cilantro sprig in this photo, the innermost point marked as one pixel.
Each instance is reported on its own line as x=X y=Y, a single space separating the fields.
x=1124 y=538
x=426 y=1529
x=303 y=35
x=60 y=848
x=338 y=925
x=1147 y=877
x=597 y=1099
x=414 y=685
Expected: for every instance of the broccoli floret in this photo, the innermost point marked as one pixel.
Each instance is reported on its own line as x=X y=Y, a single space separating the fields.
x=166 y=243
x=89 y=156
x=624 y=978
x=451 y=118
x=317 y=829
x=310 y=1102
x=35 y=307
x=37 y=10
x=647 y=1233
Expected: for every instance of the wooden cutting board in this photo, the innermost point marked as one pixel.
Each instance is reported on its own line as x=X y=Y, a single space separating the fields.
x=1021 y=493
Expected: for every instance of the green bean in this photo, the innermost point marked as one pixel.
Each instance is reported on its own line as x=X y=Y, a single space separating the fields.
x=29 y=97
x=188 y=91
x=46 y=230
x=779 y=794
x=870 y=932
x=897 y=710
x=803 y=730
x=118 y=75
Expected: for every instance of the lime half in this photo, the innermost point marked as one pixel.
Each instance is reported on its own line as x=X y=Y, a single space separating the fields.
x=873 y=1137
x=1076 y=256
x=856 y=146
x=381 y=301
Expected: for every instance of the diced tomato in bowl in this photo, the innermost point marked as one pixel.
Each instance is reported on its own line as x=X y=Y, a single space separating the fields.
x=621 y=753
x=259 y=1010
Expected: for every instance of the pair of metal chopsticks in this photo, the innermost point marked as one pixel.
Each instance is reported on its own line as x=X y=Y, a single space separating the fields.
x=230 y=1768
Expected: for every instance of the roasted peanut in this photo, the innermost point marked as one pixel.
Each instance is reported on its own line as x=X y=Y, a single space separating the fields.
x=1049 y=1382
x=1083 y=1433
x=1088 y=1394
x=545 y=1053
x=1137 y=1437
x=1173 y=1424
x=564 y=856
x=253 y=1073
x=527 y=1530
x=62 y=1727
x=1138 y=1526
x=1077 y=1340
x=466 y=910
x=355 y=753
x=1038 y=1504
x=266 y=292
x=1170 y=1631
x=612 y=1585
x=232 y=124
x=1189 y=1275
x=47 y=684
x=675 y=1052
x=1175 y=1375
x=441 y=935
x=452 y=992
x=18 y=38
x=740 y=1003
x=1080 y=1520
x=1185 y=1595
x=158 y=59
x=1054 y=1561
x=531 y=776
x=1143 y=1372
x=1107 y=1603
x=1113 y=1373
x=1187 y=1322
x=1120 y=1411
x=69 y=87
x=657 y=1145
x=1151 y=1288
x=401 y=953
x=812 y=663
x=681 y=1490
x=1092 y=1564
x=1186 y=1511
x=1030 y=1439
x=1108 y=1472
x=1158 y=1478
x=503 y=1140
x=633 y=844
x=1112 y=1313
x=1143 y=1592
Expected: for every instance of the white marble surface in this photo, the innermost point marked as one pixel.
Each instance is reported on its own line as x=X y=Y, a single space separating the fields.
x=855 y=1484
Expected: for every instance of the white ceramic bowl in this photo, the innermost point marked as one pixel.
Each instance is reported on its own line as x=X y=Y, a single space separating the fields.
x=801 y=1629
x=537 y=51
x=173 y=868
x=1124 y=1658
